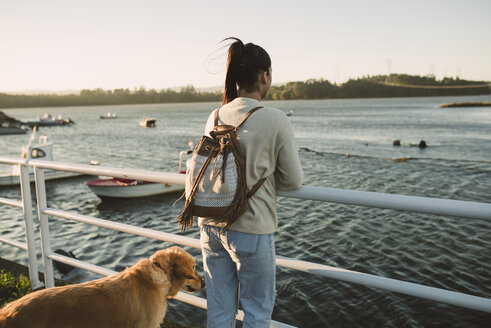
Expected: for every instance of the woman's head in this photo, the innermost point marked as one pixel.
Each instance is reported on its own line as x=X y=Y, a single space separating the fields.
x=246 y=65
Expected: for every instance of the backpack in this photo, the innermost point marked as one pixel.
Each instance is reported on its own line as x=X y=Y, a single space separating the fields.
x=216 y=185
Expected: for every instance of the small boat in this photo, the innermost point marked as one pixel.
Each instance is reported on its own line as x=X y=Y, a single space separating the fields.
x=9 y=125
x=128 y=188
x=108 y=115
x=40 y=150
x=5 y=129
x=51 y=120
x=147 y=122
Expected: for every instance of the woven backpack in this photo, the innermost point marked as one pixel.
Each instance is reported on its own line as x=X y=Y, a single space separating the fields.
x=216 y=185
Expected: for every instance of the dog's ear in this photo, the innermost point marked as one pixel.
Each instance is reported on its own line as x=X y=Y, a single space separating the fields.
x=167 y=259
x=177 y=261
x=162 y=259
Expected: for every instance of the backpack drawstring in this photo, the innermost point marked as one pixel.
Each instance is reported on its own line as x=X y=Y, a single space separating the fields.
x=224 y=150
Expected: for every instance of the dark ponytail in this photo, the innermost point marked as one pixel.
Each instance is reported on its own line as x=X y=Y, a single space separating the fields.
x=244 y=64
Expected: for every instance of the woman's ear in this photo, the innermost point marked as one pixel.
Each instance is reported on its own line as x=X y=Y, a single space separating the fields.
x=264 y=77
x=265 y=81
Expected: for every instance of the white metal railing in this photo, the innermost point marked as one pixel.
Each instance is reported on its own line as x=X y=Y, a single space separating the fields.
x=26 y=206
x=445 y=207
x=470 y=210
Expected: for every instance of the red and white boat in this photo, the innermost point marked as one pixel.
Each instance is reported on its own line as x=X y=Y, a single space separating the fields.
x=128 y=188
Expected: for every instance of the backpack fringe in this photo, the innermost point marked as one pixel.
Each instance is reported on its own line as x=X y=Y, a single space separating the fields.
x=239 y=204
x=186 y=218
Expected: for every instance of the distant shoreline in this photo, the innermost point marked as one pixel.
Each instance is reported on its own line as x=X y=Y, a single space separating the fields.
x=382 y=86
x=267 y=99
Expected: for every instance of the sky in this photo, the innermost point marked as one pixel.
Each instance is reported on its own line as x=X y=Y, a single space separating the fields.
x=72 y=45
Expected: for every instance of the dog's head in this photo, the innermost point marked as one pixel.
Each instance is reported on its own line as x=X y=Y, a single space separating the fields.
x=180 y=266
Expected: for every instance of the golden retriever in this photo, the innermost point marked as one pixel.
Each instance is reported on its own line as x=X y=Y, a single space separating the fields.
x=133 y=298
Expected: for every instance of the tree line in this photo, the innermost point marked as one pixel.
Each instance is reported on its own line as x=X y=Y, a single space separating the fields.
x=99 y=96
x=393 y=85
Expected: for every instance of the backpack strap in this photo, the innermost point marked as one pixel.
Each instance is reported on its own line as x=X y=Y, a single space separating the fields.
x=243 y=120
x=247 y=115
x=255 y=188
x=216 y=116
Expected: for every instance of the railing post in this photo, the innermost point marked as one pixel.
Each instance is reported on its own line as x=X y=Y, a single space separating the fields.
x=25 y=187
x=49 y=280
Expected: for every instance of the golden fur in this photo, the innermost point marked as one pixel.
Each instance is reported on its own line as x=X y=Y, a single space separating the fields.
x=133 y=298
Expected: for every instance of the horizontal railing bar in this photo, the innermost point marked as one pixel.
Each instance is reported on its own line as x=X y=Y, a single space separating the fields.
x=436 y=206
x=159 y=235
x=12 y=160
x=201 y=302
x=278 y=324
x=13 y=243
x=80 y=264
x=162 y=177
x=11 y=202
x=398 y=286
x=186 y=298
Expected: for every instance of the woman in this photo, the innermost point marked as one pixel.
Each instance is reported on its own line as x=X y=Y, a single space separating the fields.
x=239 y=262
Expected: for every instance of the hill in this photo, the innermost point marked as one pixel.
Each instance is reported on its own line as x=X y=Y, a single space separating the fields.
x=394 y=85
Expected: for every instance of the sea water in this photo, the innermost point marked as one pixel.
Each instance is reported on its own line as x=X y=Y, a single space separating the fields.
x=343 y=144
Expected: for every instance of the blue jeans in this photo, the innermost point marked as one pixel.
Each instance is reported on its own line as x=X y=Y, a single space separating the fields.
x=237 y=263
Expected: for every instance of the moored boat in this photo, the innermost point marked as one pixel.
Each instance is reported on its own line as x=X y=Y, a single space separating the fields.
x=51 y=120
x=40 y=150
x=9 y=125
x=147 y=122
x=127 y=188
x=4 y=130
x=108 y=115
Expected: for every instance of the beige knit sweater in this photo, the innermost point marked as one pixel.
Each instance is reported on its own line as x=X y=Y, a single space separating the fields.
x=268 y=143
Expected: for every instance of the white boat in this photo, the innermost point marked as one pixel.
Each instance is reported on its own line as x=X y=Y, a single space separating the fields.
x=51 y=120
x=147 y=122
x=128 y=188
x=108 y=115
x=40 y=150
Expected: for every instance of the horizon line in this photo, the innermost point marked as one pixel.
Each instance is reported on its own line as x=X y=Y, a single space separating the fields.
x=217 y=88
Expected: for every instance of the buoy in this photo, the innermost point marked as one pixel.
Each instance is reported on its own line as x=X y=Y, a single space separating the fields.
x=348 y=155
x=422 y=144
